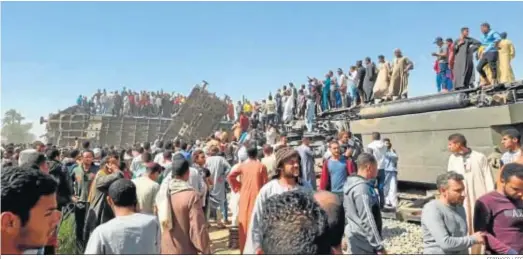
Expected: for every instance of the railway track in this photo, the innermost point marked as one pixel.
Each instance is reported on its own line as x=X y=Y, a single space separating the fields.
x=409 y=207
x=411 y=198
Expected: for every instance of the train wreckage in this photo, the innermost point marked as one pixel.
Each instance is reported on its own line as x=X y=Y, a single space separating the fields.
x=419 y=128
x=402 y=116
x=198 y=117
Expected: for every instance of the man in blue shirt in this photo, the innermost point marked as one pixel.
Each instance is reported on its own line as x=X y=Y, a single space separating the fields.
x=489 y=41
x=442 y=58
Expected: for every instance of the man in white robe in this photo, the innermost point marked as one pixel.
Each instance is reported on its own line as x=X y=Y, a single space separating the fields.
x=287 y=109
x=475 y=169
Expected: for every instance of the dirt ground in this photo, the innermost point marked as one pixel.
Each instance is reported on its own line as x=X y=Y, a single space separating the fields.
x=220 y=240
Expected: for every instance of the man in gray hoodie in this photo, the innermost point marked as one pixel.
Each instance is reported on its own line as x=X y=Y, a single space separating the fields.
x=362 y=211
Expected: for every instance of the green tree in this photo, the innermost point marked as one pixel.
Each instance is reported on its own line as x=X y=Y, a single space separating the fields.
x=13 y=130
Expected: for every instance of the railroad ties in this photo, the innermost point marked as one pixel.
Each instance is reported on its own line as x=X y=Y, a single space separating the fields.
x=409 y=207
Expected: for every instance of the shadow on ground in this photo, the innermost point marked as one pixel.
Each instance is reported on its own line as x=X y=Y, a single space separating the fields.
x=393 y=232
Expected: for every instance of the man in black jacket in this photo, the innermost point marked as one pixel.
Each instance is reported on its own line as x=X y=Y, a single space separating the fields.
x=359 y=81
x=65 y=192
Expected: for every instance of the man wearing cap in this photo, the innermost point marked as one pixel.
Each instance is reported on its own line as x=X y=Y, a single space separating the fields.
x=449 y=77
x=286 y=179
x=443 y=64
x=147 y=188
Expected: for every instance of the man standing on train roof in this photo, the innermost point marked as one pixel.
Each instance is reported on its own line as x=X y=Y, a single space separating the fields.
x=507 y=53
x=399 y=79
x=490 y=41
x=475 y=169
x=443 y=64
x=342 y=81
x=463 y=66
x=359 y=82
x=369 y=80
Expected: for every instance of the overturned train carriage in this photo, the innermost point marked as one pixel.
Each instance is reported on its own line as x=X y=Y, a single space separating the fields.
x=64 y=129
x=199 y=116
x=419 y=127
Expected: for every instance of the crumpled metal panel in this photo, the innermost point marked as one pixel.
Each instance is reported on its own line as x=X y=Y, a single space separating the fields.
x=127 y=131
x=198 y=117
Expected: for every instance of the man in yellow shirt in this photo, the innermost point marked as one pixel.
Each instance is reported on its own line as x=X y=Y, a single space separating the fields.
x=247 y=108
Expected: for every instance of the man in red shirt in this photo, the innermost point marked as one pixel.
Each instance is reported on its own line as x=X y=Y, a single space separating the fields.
x=244 y=126
x=244 y=122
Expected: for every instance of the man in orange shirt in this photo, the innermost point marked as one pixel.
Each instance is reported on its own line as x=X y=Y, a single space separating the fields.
x=253 y=175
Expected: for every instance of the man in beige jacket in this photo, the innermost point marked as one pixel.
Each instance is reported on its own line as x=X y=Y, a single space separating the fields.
x=187 y=233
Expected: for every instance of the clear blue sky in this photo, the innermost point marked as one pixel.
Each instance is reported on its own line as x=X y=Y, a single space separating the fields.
x=54 y=51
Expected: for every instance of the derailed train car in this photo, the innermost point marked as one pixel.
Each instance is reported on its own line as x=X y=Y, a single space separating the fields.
x=200 y=115
x=419 y=127
x=67 y=129
x=197 y=118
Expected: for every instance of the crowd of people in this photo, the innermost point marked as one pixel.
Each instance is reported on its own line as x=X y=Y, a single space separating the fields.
x=131 y=103
x=163 y=197
x=160 y=197
x=454 y=63
x=363 y=83
x=367 y=82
